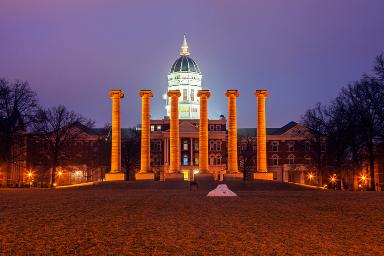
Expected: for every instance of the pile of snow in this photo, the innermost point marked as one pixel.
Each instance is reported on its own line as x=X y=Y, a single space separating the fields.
x=221 y=190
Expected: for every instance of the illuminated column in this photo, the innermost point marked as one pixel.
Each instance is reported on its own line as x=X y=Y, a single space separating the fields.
x=261 y=95
x=174 y=137
x=203 y=129
x=232 y=131
x=145 y=163
x=116 y=95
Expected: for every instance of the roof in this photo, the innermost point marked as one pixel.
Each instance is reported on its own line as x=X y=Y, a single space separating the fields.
x=185 y=64
x=251 y=132
x=285 y=128
x=185 y=126
x=125 y=132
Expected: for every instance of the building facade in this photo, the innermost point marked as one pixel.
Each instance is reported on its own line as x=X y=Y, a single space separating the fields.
x=287 y=157
x=291 y=155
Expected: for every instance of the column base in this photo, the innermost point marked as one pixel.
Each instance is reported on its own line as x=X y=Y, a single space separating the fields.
x=145 y=176
x=233 y=176
x=173 y=176
x=115 y=176
x=204 y=177
x=263 y=176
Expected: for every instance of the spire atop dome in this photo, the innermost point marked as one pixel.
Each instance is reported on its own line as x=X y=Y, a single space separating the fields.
x=184 y=47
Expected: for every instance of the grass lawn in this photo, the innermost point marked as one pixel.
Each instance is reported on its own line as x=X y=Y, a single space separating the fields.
x=160 y=218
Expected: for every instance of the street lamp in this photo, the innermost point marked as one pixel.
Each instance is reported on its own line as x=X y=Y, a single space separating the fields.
x=333 y=181
x=59 y=174
x=363 y=180
x=30 y=178
x=310 y=176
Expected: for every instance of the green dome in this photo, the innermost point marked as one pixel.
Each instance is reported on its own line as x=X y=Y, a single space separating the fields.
x=185 y=64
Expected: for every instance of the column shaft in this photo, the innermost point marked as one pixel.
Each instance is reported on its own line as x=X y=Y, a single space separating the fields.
x=145 y=162
x=232 y=131
x=174 y=165
x=261 y=95
x=203 y=130
x=191 y=152
x=116 y=131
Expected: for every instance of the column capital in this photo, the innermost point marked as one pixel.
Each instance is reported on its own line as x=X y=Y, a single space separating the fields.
x=206 y=93
x=174 y=93
x=232 y=92
x=143 y=93
x=261 y=93
x=116 y=94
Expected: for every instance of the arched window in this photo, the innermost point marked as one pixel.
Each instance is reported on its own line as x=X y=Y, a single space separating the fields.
x=211 y=146
x=275 y=160
x=212 y=160
x=291 y=146
x=307 y=146
x=291 y=159
x=218 y=159
x=185 y=145
x=275 y=146
x=218 y=146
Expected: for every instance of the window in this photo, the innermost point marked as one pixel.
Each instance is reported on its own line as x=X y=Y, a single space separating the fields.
x=218 y=160
x=211 y=146
x=218 y=127
x=307 y=146
x=275 y=146
x=152 y=128
x=196 y=146
x=192 y=95
x=275 y=160
x=218 y=146
x=211 y=127
x=291 y=147
x=291 y=159
x=185 y=94
x=159 y=127
x=185 y=160
x=185 y=145
x=196 y=161
x=212 y=160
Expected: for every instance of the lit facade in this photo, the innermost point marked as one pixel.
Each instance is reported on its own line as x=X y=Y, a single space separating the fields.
x=185 y=140
x=185 y=76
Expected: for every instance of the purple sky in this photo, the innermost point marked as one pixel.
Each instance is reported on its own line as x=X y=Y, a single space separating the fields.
x=73 y=52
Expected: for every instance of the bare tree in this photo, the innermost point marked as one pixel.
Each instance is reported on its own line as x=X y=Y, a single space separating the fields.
x=131 y=151
x=57 y=128
x=317 y=122
x=247 y=156
x=365 y=98
x=353 y=123
x=18 y=105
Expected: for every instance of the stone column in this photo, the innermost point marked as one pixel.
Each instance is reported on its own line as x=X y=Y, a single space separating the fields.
x=165 y=151
x=232 y=131
x=174 y=136
x=191 y=152
x=203 y=130
x=261 y=95
x=116 y=173
x=145 y=163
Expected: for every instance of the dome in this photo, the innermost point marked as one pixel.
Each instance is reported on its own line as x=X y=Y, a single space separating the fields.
x=185 y=64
